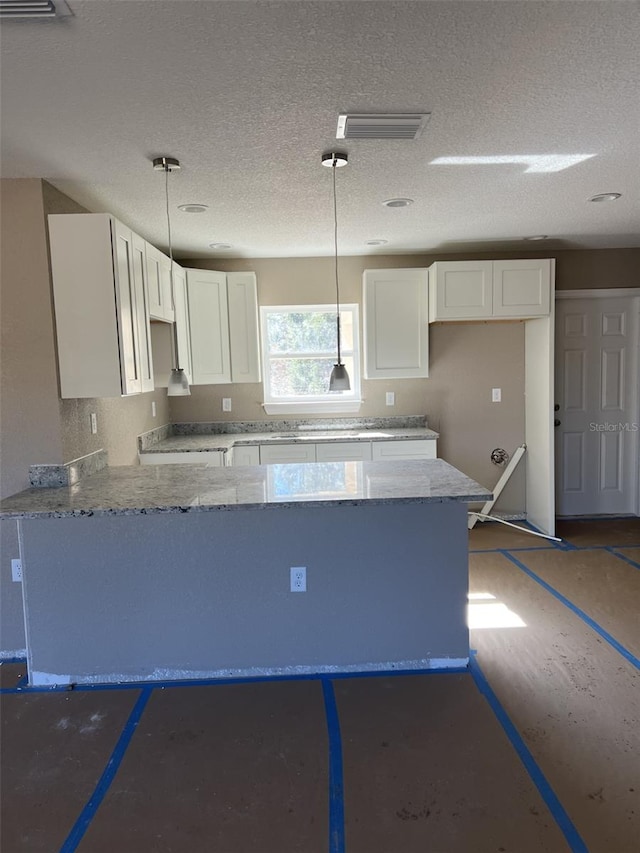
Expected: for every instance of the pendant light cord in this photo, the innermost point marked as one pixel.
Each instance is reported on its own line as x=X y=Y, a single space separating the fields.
x=335 y=244
x=176 y=363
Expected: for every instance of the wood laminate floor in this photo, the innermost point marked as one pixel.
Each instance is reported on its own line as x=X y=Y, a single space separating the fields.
x=534 y=748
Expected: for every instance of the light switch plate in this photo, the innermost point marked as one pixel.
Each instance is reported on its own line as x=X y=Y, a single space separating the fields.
x=391 y=398
x=496 y=395
x=226 y=404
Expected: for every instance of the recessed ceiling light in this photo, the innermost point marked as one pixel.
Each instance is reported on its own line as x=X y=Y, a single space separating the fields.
x=538 y=237
x=376 y=242
x=220 y=246
x=605 y=197
x=398 y=202
x=193 y=208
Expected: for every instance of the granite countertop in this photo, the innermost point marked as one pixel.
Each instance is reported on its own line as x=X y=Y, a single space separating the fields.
x=212 y=442
x=142 y=490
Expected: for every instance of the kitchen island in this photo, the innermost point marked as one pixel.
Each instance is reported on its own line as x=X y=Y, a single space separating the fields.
x=178 y=572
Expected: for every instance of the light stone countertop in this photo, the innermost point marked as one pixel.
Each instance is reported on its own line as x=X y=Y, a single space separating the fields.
x=213 y=442
x=150 y=489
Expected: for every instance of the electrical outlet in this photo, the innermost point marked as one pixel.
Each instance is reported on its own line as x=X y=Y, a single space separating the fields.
x=226 y=404
x=16 y=571
x=153 y=408
x=298 y=578
x=94 y=423
x=391 y=398
x=496 y=395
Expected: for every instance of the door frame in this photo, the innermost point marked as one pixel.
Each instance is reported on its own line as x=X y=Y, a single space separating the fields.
x=634 y=294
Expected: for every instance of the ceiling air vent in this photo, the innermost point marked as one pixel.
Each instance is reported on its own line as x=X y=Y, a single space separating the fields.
x=389 y=126
x=33 y=10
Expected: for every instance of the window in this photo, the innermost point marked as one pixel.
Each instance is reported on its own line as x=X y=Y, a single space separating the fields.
x=299 y=351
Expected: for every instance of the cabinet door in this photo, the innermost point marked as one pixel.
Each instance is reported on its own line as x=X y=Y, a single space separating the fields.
x=522 y=288
x=244 y=341
x=143 y=330
x=182 y=321
x=343 y=451
x=396 y=327
x=276 y=453
x=208 y=326
x=248 y=454
x=159 y=285
x=126 y=302
x=460 y=290
x=415 y=448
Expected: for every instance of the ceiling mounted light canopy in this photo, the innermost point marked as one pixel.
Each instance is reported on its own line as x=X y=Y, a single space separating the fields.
x=339 y=379
x=178 y=385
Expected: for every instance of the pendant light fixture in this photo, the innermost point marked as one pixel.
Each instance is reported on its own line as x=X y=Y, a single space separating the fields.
x=339 y=380
x=178 y=385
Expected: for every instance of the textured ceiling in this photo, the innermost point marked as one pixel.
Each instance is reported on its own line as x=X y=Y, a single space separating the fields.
x=247 y=94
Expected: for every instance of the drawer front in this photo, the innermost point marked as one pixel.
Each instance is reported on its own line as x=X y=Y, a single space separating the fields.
x=212 y=458
x=344 y=451
x=410 y=449
x=277 y=453
x=249 y=455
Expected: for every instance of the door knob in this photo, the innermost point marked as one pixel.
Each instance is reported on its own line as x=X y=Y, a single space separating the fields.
x=557 y=423
x=556 y=408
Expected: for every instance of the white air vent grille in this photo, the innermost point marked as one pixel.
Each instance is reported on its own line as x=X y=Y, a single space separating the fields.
x=390 y=126
x=33 y=9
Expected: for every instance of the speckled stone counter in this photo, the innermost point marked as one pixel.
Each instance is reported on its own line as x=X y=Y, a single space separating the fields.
x=144 y=490
x=211 y=441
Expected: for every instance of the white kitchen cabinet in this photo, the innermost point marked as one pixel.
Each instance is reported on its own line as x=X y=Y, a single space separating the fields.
x=460 y=290
x=140 y=282
x=248 y=454
x=208 y=326
x=100 y=306
x=522 y=288
x=396 y=331
x=415 y=448
x=211 y=458
x=485 y=290
x=343 y=451
x=159 y=285
x=244 y=340
x=276 y=453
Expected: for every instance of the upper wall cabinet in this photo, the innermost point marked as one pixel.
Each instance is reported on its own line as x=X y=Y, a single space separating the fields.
x=209 y=326
x=223 y=326
x=396 y=331
x=244 y=336
x=474 y=290
x=100 y=297
x=159 y=285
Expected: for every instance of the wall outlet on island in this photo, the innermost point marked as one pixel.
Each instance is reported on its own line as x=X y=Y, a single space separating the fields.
x=16 y=571
x=226 y=404
x=298 y=579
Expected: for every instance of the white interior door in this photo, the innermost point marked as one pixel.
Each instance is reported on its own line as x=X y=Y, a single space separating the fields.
x=597 y=377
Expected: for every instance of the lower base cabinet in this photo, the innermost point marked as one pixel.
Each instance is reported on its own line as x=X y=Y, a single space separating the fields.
x=410 y=449
x=247 y=455
x=278 y=453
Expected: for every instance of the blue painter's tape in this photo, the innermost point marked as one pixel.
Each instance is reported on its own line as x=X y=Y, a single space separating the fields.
x=86 y=815
x=547 y=793
x=633 y=660
x=206 y=682
x=610 y=549
x=336 y=777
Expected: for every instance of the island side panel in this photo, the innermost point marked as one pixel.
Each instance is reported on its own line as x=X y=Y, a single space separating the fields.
x=180 y=595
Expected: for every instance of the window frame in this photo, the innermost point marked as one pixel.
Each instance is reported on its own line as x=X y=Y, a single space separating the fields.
x=331 y=402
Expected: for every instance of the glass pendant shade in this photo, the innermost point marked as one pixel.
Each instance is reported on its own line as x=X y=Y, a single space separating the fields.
x=339 y=380
x=178 y=384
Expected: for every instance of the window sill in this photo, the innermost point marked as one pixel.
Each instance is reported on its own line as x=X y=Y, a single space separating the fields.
x=340 y=407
